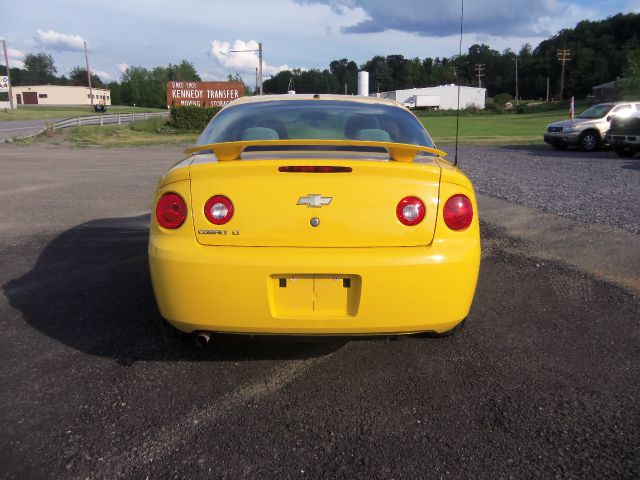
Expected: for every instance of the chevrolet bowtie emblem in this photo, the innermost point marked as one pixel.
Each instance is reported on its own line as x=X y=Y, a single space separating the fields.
x=314 y=200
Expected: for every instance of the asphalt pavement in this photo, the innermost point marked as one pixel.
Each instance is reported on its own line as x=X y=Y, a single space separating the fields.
x=542 y=383
x=22 y=128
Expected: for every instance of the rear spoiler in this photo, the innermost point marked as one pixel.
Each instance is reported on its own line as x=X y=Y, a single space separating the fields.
x=399 y=152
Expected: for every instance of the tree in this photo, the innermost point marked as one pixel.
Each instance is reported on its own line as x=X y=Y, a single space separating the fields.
x=345 y=72
x=148 y=88
x=78 y=77
x=380 y=74
x=116 y=93
x=40 y=69
x=184 y=71
x=279 y=82
x=630 y=82
x=238 y=78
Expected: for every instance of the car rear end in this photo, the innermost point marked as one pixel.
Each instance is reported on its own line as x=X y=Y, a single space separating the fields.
x=314 y=243
x=624 y=135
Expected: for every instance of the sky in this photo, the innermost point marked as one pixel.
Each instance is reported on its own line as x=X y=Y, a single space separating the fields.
x=295 y=33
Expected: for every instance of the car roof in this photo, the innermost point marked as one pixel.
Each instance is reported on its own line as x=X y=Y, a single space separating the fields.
x=317 y=97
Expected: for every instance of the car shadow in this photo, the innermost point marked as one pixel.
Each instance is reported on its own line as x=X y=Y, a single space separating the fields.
x=90 y=290
x=633 y=165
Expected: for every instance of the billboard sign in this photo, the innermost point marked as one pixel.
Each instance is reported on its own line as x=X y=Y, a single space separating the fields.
x=4 y=84
x=203 y=94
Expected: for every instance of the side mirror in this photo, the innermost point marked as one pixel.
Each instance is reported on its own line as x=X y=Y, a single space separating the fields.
x=609 y=117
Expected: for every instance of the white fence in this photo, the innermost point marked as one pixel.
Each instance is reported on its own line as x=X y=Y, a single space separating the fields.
x=104 y=119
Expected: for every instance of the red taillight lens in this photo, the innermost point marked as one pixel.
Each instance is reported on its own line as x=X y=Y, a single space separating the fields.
x=218 y=209
x=171 y=210
x=410 y=211
x=458 y=212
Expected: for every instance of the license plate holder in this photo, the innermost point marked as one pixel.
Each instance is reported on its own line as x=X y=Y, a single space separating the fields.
x=315 y=295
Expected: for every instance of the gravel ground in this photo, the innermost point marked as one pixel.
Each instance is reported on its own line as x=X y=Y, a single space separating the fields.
x=594 y=187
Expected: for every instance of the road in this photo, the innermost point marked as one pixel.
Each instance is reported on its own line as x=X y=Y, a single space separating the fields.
x=14 y=128
x=543 y=382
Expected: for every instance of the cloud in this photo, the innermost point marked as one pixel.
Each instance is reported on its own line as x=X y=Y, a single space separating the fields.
x=241 y=61
x=13 y=63
x=633 y=6
x=434 y=18
x=59 y=41
x=122 y=67
x=15 y=57
x=104 y=76
x=216 y=76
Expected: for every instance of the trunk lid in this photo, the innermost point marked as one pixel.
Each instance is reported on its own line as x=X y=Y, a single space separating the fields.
x=354 y=209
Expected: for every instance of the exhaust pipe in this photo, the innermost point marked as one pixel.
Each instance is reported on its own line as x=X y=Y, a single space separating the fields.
x=202 y=339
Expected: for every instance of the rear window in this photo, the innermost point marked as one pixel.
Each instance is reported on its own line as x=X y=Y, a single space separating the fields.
x=315 y=119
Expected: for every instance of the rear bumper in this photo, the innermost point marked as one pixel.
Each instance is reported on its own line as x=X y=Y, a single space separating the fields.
x=630 y=141
x=238 y=290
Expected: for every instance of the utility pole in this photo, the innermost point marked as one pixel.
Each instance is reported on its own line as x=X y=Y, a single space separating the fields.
x=86 y=58
x=259 y=69
x=345 y=88
x=517 y=96
x=256 y=90
x=479 y=73
x=6 y=62
x=260 y=64
x=564 y=55
x=547 y=89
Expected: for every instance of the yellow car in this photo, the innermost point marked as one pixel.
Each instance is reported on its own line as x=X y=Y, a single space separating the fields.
x=314 y=215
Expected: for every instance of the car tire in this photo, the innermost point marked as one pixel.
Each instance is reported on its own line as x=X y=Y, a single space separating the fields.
x=589 y=141
x=448 y=333
x=624 y=152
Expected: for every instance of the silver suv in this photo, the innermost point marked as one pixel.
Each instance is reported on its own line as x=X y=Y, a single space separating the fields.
x=587 y=130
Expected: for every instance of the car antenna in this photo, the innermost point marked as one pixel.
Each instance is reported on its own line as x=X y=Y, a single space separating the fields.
x=455 y=158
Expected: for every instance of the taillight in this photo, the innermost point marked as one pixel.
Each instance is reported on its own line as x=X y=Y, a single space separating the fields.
x=218 y=209
x=171 y=210
x=410 y=211
x=458 y=212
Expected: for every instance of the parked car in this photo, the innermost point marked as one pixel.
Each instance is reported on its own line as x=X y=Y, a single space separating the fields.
x=624 y=135
x=314 y=215
x=587 y=131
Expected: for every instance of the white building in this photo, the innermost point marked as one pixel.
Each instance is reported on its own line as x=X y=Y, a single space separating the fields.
x=59 y=95
x=444 y=97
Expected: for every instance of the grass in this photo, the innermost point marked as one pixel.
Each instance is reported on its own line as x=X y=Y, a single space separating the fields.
x=38 y=112
x=492 y=129
x=508 y=129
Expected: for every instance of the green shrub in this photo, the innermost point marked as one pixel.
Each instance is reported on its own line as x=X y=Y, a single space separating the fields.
x=492 y=106
x=191 y=118
x=502 y=98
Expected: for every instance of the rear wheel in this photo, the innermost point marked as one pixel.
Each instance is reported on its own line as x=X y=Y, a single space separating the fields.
x=625 y=152
x=589 y=141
